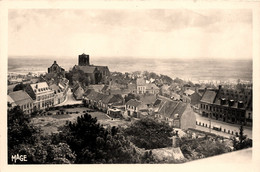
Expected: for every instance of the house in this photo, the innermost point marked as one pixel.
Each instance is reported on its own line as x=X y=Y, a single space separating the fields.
x=109 y=101
x=42 y=95
x=10 y=102
x=165 y=90
x=133 y=107
x=227 y=105
x=56 y=69
x=143 y=87
x=123 y=92
x=140 y=85
x=58 y=94
x=97 y=87
x=88 y=98
x=22 y=99
x=78 y=91
x=148 y=99
x=176 y=113
x=175 y=96
x=101 y=101
x=132 y=88
x=152 y=88
x=192 y=97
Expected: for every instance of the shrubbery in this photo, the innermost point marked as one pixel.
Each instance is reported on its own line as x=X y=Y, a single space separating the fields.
x=149 y=134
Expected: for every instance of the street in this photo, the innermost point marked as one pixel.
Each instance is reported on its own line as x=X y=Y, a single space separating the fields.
x=223 y=125
x=69 y=99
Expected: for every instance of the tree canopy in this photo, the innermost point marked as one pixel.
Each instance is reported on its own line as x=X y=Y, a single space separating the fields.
x=25 y=139
x=149 y=134
x=92 y=143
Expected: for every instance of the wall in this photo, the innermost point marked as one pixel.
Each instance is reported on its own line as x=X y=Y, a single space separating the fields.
x=188 y=118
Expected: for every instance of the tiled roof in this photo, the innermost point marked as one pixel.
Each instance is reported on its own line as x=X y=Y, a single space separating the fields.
x=148 y=99
x=40 y=87
x=172 y=109
x=134 y=102
x=111 y=99
x=9 y=99
x=86 y=69
x=209 y=96
x=189 y=92
x=20 y=97
x=88 y=92
x=131 y=86
x=97 y=88
x=91 y=95
x=167 y=108
x=119 y=91
x=151 y=86
x=55 y=87
x=98 y=96
x=175 y=96
x=157 y=102
x=140 y=82
x=180 y=108
x=105 y=88
x=102 y=68
x=79 y=92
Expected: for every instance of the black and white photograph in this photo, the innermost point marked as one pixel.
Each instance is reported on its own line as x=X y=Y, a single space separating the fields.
x=164 y=85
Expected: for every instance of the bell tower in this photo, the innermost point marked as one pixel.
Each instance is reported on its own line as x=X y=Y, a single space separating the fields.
x=83 y=60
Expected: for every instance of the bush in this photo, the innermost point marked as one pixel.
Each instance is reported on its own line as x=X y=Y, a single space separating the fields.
x=149 y=134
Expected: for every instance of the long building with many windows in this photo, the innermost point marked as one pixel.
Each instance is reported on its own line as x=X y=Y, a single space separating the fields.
x=42 y=95
x=228 y=105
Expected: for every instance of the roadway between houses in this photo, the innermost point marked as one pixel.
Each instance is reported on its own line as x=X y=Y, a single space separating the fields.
x=223 y=125
x=69 y=99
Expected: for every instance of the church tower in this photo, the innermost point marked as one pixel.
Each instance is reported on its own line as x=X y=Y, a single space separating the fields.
x=83 y=60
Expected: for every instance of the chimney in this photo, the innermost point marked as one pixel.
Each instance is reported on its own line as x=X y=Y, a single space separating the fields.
x=240 y=104
x=36 y=86
x=231 y=102
x=222 y=101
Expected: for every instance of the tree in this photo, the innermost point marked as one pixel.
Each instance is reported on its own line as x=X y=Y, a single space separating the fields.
x=20 y=86
x=242 y=142
x=196 y=148
x=92 y=143
x=149 y=134
x=19 y=129
x=25 y=139
x=131 y=96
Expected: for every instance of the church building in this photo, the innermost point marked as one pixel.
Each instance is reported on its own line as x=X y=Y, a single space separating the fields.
x=56 y=69
x=96 y=74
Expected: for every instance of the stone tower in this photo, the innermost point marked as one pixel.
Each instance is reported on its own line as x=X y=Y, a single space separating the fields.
x=83 y=60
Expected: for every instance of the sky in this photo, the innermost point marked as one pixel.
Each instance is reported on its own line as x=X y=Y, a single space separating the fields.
x=164 y=33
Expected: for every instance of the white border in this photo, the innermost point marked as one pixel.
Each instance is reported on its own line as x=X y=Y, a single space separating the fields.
x=5 y=5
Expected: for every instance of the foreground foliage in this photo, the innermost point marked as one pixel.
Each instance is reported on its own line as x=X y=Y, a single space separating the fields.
x=25 y=139
x=149 y=134
x=196 y=148
x=242 y=142
x=92 y=143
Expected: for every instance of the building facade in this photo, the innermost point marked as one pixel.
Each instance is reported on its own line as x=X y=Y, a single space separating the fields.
x=227 y=105
x=95 y=74
x=142 y=87
x=176 y=113
x=56 y=69
x=22 y=99
x=42 y=95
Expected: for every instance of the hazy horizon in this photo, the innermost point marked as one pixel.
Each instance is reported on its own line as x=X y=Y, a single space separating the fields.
x=188 y=69
x=123 y=57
